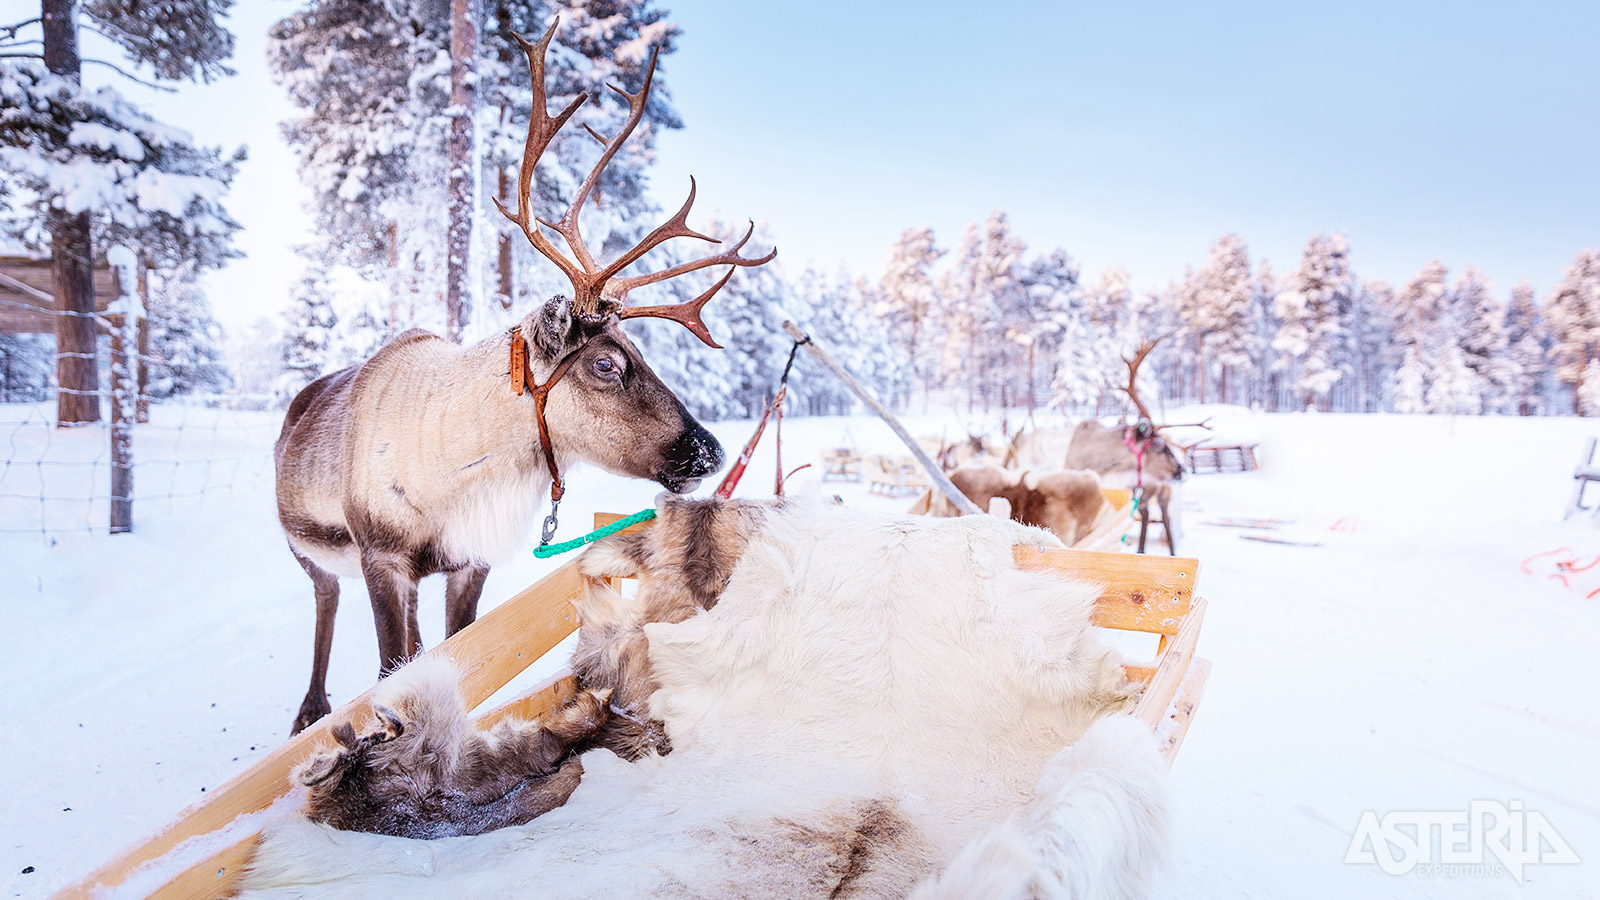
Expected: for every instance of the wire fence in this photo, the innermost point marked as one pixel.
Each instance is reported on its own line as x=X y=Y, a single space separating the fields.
x=135 y=457
x=58 y=480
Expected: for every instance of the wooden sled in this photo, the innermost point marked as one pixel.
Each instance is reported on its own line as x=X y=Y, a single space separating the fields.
x=841 y=464
x=894 y=476
x=203 y=852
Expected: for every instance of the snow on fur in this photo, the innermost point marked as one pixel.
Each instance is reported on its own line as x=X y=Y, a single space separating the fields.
x=870 y=694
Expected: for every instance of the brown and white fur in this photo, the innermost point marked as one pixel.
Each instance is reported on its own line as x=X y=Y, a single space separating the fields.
x=1065 y=502
x=447 y=779
x=424 y=460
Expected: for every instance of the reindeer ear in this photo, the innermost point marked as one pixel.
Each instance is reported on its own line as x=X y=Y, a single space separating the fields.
x=550 y=330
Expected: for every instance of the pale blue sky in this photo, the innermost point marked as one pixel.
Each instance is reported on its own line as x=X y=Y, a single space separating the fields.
x=1133 y=132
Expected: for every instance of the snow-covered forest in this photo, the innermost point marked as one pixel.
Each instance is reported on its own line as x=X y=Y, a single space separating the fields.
x=393 y=100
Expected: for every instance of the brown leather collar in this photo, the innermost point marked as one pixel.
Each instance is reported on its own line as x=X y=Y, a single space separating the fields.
x=522 y=378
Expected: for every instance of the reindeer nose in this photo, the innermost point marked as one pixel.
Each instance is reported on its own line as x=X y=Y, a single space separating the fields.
x=694 y=455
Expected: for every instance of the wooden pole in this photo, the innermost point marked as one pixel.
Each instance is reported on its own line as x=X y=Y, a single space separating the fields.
x=124 y=353
x=935 y=474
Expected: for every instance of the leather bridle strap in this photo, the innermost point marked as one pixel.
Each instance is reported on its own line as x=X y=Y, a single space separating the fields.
x=522 y=377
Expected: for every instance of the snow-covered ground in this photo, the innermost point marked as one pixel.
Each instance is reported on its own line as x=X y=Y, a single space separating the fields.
x=1407 y=664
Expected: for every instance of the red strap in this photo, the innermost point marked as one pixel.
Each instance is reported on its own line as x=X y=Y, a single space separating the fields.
x=541 y=394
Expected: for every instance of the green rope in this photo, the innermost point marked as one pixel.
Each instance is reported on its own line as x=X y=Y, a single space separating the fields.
x=1133 y=513
x=545 y=551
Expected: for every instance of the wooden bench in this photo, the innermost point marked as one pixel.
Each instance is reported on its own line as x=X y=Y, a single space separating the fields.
x=1204 y=458
x=203 y=851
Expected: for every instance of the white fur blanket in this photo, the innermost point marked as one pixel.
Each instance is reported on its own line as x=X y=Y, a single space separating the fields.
x=876 y=705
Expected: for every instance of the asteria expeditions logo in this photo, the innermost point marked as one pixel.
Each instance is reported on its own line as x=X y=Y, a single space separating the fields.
x=1489 y=838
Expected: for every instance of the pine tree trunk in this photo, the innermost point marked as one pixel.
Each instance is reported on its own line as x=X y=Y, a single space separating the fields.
x=503 y=260
x=464 y=17
x=77 y=368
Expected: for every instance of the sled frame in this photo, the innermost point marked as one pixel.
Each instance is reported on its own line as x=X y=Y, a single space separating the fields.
x=203 y=852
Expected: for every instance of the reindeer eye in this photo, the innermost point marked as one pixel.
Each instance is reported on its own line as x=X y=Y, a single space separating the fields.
x=604 y=366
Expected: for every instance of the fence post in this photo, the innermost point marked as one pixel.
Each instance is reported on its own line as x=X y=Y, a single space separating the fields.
x=124 y=385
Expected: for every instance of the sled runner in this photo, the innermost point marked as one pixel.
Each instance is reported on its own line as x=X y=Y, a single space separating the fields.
x=203 y=852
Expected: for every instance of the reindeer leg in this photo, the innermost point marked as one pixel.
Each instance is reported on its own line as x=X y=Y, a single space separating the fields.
x=413 y=630
x=1166 y=520
x=1144 y=519
x=326 y=586
x=393 y=592
x=463 y=587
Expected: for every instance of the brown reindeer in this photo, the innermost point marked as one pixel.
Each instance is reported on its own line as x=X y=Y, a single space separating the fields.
x=1066 y=503
x=1138 y=452
x=430 y=457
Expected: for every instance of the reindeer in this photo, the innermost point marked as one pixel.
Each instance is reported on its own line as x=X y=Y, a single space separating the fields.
x=430 y=457
x=1137 y=450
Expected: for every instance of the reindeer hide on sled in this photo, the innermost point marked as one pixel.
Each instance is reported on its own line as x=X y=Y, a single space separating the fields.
x=854 y=705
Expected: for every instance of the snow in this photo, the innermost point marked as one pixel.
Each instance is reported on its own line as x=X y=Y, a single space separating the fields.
x=1406 y=664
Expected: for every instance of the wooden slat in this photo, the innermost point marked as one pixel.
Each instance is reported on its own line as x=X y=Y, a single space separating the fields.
x=1173 y=667
x=218 y=876
x=1142 y=593
x=490 y=652
x=1119 y=498
x=535 y=701
x=1175 y=727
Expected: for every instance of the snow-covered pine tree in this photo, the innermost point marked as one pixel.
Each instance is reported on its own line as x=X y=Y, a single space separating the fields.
x=1422 y=335
x=1087 y=353
x=963 y=314
x=1376 y=356
x=186 y=342
x=79 y=164
x=1180 y=361
x=908 y=302
x=1529 y=348
x=373 y=79
x=308 y=337
x=1573 y=314
x=1054 y=308
x=1315 y=317
x=1265 y=389
x=1224 y=316
x=1002 y=313
x=1483 y=340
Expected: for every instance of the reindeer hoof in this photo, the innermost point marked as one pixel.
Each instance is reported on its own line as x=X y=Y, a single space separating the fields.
x=312 y=709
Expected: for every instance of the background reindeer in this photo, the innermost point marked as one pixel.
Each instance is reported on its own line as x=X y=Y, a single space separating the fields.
x=1138 y=451
x=431 y=457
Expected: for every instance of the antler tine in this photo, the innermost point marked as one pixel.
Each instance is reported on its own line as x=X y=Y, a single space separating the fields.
x=568 y=225
x=619 y=287
x=677 y=226
x=685 y=314
x=1133 y=376
x=542 y=129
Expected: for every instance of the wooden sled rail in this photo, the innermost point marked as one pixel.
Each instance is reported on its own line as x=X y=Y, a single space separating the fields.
x=202 y=853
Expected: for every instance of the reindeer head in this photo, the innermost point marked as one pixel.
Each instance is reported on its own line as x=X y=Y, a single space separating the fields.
x=1160 y=462
x=613 y=410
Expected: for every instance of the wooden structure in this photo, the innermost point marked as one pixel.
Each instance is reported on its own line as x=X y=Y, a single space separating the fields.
x=27 y=294
x=894 y=476
x=1583 y=475
x=1203 y=458
x=841 y=464
x=202 y=853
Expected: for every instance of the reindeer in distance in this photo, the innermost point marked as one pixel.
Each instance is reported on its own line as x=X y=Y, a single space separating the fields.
x=433 y=458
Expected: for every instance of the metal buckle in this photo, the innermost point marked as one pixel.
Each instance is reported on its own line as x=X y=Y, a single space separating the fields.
x=549 y=524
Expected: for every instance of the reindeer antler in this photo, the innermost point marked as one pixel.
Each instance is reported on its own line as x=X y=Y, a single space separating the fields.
x=596 y=289
x=1132 y=389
